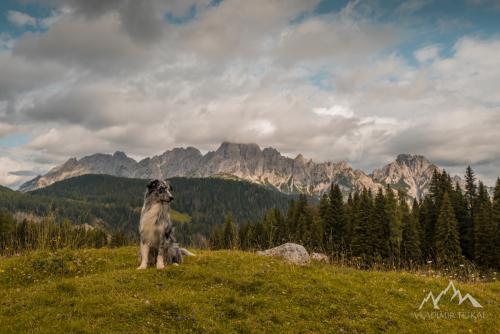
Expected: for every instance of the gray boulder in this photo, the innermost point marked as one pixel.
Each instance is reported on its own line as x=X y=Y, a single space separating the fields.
x=320 y=257
x=292 y=253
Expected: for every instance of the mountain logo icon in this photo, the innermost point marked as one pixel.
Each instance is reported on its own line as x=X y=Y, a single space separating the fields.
x=457 y=295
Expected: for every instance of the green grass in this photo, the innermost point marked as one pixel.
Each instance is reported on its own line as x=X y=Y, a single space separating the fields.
x=179 y=216
x=100 y=291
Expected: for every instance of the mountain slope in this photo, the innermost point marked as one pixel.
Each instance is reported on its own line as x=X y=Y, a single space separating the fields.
x=248 y=162
x=116 y=201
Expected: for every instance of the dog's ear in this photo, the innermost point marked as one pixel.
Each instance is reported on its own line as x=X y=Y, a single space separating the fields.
x=153 y=184
x=169 y=185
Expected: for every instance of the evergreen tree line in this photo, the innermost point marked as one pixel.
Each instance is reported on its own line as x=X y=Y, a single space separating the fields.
x=448 y=227
x=48 y=235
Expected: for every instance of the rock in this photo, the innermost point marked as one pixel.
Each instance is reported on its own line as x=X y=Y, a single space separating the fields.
x=290 y=252
x=320 y=257
x=249 y=162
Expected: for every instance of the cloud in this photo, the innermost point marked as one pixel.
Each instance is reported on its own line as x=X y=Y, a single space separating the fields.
x=18 y=76
x=23 y=173
x=7 y=165
x=245 y=71
x=428 y=53
x=6 y=129
x=335 y=111
x=21 y=19
x=100 y=46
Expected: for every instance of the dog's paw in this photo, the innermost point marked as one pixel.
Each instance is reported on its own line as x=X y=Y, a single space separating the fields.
x=141 y=267
x=160 y=266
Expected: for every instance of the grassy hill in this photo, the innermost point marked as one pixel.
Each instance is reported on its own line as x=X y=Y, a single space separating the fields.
x=100 y=291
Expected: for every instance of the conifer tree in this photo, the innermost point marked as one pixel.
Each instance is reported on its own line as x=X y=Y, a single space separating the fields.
x=361 y=234
x=216 y=240
x=484 y=230
x=471 y=202
x=428 y=227
x=349 y=213
x=379 y=228
x=316 y=235
x=395 y=228
x=269 y=225
x=447 y=242
x=325 y=213
x=411 y=251
x=460 y=208
x=230 y=233
x=495 y=216
x=244 y=236
x=337 y=227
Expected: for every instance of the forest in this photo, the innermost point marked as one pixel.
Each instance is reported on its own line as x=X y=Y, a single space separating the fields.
x=112 y=204
x=450 y=227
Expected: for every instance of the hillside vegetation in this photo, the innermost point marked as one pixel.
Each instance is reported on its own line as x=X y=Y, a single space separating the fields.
x=90 y=291
x=116 y=201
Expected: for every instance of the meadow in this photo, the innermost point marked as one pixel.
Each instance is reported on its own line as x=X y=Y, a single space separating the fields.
x=100 y=291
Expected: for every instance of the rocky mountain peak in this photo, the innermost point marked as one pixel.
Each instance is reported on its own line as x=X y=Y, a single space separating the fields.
x=249 y=162
x=237 y=150
x=410 y=173
x=120 y=155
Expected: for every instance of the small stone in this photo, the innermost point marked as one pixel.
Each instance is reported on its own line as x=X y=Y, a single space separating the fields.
x=320 y=257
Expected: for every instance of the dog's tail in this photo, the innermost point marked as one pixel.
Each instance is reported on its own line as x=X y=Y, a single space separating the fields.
x=185 y=252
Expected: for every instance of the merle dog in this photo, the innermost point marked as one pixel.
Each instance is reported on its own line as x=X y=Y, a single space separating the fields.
x=156 y=230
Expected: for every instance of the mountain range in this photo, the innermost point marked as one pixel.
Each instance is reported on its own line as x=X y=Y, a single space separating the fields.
x=411 y=173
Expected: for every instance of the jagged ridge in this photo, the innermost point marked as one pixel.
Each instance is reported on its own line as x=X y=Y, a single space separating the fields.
x=247 y=161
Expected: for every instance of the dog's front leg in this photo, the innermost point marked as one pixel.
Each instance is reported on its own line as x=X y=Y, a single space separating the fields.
x=144 y=255
x=160 y=263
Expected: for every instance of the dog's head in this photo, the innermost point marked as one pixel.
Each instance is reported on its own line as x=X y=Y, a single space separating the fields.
x=160 y=191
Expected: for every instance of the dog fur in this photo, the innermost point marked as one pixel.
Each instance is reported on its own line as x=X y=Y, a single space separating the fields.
x=155 y=226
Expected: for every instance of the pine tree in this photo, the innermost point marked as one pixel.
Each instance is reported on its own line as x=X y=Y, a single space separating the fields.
x=316 y=235
x=460 y=208
x=470 y=198
x=411 y=251
x=326 y=216
x=426 y=214
x=349 y=214
x=395 y=228
x=361 y=234
x=379 y=228
x=337 y=228
x=270 y=225
x=447 y=242
x=244 y=236
x=495 y=216
x=7 y=231
x=280 y=229
x=484 y=230
x=230 y=233
x=216 y=240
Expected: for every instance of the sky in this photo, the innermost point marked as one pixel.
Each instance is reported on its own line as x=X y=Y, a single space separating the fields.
x=355 y=80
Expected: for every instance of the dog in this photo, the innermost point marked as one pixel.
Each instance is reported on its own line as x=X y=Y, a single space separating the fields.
x=155 y=226
x=175 y=253
x=156 y=230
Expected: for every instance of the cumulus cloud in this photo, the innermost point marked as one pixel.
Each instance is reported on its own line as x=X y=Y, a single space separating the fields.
x=7 y=165
x=116 y=75
x=427 y=53
x=21 y=19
